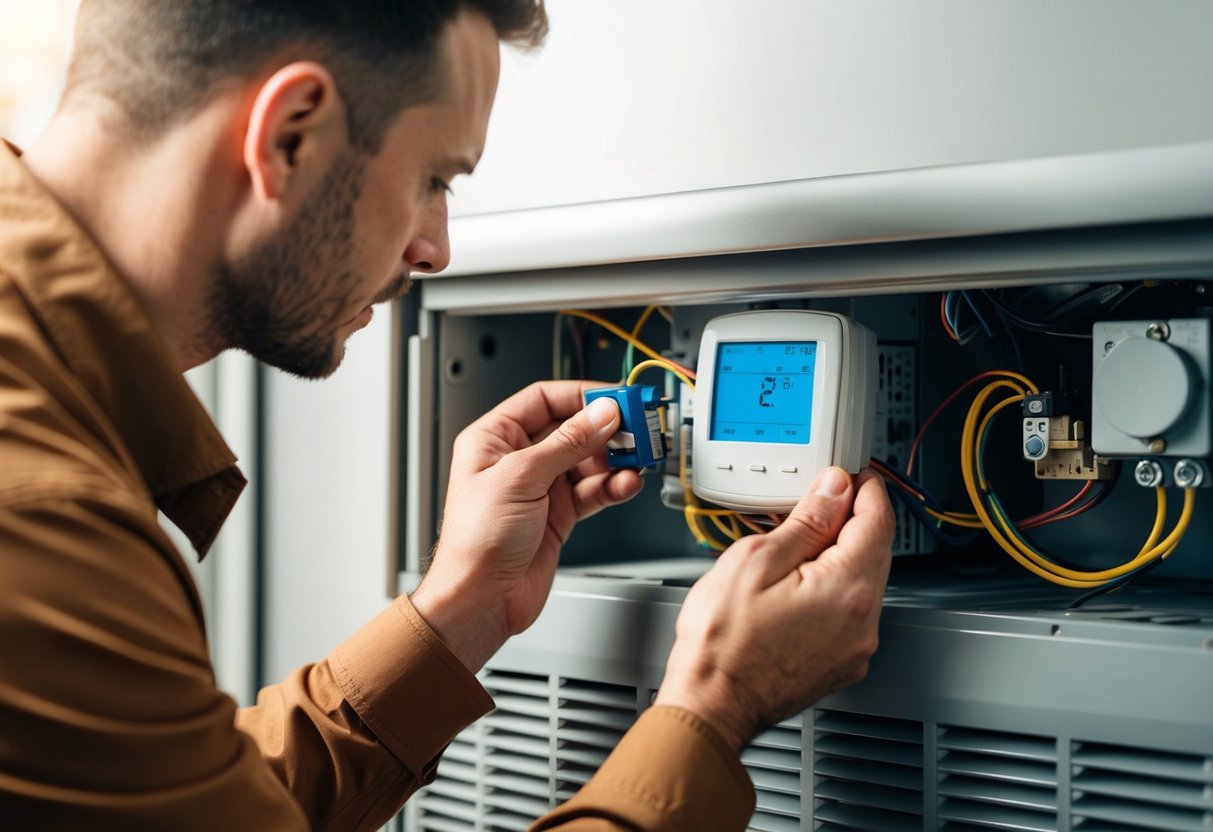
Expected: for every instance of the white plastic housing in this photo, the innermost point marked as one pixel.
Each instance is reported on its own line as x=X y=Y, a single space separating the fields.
x=771 y=477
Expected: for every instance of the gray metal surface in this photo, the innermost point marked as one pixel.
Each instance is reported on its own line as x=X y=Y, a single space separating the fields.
x=1112 y=188
x=988 y=706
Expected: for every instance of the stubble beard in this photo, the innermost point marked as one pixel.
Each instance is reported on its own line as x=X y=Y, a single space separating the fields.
x=284 y=302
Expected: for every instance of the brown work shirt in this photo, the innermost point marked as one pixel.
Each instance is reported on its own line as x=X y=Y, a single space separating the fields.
x=110 y=717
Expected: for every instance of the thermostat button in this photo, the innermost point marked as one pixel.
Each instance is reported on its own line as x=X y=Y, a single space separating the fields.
x=758 y=469
x=789 y=469
x=725 y=466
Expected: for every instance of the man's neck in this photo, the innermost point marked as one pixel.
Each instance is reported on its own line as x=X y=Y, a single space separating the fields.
x=150 y=210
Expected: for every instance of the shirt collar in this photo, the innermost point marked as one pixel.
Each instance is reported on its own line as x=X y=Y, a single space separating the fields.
x=104 y=336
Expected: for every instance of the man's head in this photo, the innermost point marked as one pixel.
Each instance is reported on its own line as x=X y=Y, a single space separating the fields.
x=342 y=125
x=161 y=60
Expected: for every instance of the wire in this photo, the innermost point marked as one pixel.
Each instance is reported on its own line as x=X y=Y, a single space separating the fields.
x=977 y=313
x=931 y=419
x=943 y=315
x=629 y=354
x=929 y=506
x=1011 y=540
x=668 y=366
x=636 y=342
x=1050 y=516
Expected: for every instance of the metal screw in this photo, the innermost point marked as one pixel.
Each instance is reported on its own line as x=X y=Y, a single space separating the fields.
x=1107 y=347
x=1157 y=445
x=1149 y=473
x=1158 y=331
x=1036 y=406
x=1188 y=474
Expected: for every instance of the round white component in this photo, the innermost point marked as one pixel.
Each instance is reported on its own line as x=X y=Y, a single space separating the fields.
x=1142 y=387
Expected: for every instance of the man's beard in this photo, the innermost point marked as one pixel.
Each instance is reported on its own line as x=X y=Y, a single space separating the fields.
x=284 y=302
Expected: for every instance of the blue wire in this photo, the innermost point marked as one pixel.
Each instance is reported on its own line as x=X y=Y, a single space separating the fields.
x=977 y=312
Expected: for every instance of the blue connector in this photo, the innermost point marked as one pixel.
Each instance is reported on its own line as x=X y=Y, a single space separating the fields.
x=638 y=443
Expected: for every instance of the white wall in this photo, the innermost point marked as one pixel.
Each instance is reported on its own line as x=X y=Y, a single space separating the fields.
x=633 y=97
x=326 y=482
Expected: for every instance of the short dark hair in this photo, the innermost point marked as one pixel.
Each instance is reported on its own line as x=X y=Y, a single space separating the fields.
x=160 y=61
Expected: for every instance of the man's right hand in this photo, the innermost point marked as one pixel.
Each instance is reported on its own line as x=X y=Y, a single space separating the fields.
x=785 y=618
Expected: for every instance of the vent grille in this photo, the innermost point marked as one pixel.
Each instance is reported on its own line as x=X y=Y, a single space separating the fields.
x=449 y=803
x=773 y=761
x=995 y=780
x=1116 y=788
x=517 y=747
x=868 y=773
x=591 y=718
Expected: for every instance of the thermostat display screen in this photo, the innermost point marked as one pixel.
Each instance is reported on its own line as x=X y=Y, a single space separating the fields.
x=764 y=392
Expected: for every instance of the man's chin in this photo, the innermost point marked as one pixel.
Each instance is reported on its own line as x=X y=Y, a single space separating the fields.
x=311 y=365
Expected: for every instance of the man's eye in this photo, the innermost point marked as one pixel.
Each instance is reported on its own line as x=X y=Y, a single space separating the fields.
x=439 y=184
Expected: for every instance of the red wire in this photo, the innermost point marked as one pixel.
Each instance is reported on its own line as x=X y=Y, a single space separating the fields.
x=931 y=419
x=943 y=316
x=1051 y=516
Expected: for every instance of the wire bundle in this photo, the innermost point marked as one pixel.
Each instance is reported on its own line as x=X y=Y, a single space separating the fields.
x=712 y=528
x=1010 y=537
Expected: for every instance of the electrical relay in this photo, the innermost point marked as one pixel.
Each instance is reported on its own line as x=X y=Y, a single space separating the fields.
x=638 y=443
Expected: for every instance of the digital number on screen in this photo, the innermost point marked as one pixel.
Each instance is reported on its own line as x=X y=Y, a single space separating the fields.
x=764 y=392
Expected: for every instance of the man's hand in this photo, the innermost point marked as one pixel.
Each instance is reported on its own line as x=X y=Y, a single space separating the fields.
x=785 y=618
x=521 y=477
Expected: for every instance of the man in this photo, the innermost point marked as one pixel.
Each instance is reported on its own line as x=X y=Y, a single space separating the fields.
x=227 y=174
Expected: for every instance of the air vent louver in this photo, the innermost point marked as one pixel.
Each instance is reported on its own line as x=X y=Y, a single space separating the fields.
x=517 y=748
x=996 y=780
x=449 y=803
x=773 y=761
x=868 y=773
x=591 y=719
x=1118 y=788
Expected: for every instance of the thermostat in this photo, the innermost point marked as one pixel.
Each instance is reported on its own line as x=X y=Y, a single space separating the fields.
x=788 y=393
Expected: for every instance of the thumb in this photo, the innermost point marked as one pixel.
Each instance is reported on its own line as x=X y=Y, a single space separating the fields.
x=575 y=440
x=814 y=523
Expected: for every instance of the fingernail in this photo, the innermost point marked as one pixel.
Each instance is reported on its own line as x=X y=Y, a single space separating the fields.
x=602 y=411
x=830 y=483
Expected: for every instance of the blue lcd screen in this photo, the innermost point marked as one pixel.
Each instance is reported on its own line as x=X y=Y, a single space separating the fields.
x=764 y=392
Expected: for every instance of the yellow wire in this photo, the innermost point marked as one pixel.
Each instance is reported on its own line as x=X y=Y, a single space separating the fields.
x=663 y=364
x=965 y=521
x=644 y=319
x=727 y=531
x=1025 y=556
x=614 y=330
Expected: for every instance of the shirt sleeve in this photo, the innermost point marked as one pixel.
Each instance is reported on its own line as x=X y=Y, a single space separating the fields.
x=111 y=717
x=354 y=736
x=671 y=773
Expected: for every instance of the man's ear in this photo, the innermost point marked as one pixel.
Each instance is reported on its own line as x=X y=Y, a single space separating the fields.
x=296 y=127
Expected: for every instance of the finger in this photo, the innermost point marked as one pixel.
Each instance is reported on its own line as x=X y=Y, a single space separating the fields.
x=577 y=439
x=863 y=551
x=537 y=408
x=600 y=491
x=816 y=520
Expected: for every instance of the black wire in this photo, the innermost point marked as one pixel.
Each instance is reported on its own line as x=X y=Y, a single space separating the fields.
x=1049 y=328
x=912 y=503
x=1112 y=586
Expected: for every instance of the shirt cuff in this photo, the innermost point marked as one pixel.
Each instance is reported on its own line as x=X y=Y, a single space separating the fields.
x=408 y=687
x=672 y=771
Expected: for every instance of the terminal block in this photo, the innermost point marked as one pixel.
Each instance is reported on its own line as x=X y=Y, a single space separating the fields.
x=638 y=443
x=1060 y=450
x=1057 y=443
